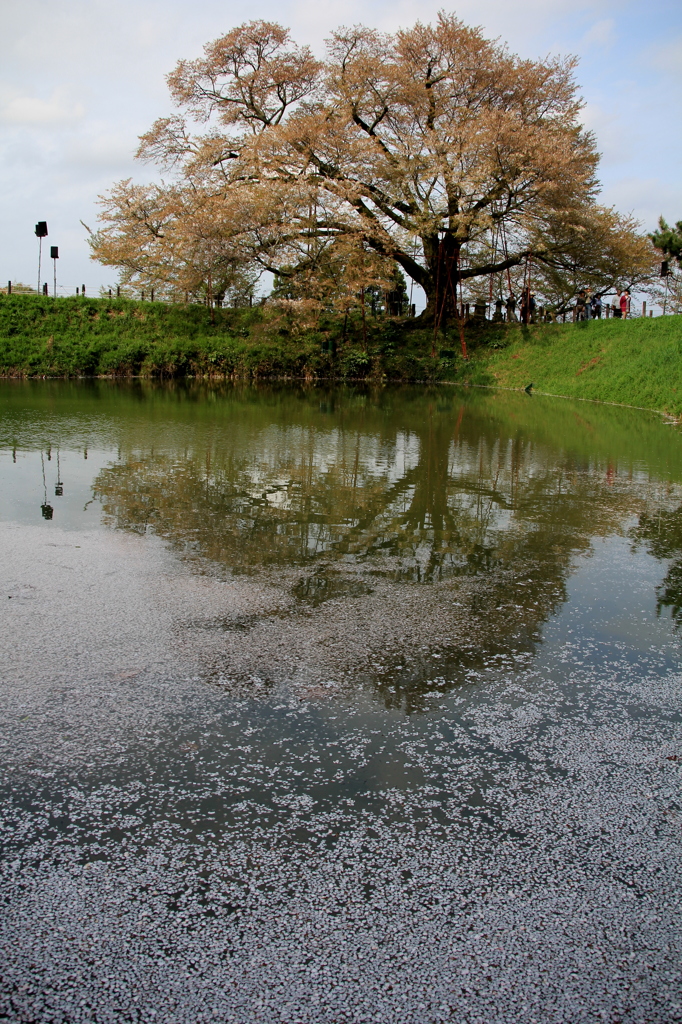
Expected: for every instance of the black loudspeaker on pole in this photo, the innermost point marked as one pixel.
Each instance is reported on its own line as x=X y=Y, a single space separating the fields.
x=41 y=232
x=54 y=256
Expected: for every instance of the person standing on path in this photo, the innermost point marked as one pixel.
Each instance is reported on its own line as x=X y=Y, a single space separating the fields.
x=596 y=307
x=523 y=309
x=624 y=303
x=580 y=303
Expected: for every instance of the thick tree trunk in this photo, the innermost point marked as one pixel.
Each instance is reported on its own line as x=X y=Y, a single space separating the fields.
x=442 y=264
x=442 y=307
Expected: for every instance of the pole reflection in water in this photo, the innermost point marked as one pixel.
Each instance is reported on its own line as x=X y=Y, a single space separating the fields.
x=59 y=486
x=46 y=509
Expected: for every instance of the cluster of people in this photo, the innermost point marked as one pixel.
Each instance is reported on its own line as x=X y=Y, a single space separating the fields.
x=526 y=312
x=588 y=305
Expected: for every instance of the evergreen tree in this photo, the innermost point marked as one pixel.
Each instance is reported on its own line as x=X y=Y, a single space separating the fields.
x=669 y=239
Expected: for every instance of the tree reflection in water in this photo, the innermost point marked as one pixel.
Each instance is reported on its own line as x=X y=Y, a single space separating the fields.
x=351 y=508
x=661 y=532
x=429 y=503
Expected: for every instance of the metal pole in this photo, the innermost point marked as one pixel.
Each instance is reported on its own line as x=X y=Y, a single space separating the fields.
x=55 y=278
x=40 y=258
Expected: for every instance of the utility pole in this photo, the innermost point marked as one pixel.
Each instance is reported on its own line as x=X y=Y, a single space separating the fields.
x=41 y=232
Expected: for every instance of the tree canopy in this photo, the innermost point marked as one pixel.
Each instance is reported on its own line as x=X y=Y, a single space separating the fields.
x=433 y=150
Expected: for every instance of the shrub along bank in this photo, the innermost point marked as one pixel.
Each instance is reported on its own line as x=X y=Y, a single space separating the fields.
x=76 y=336
x=635 y=362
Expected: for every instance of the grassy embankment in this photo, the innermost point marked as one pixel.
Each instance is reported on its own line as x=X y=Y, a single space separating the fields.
x=76 y=336
x=632 y=362
x=637 y=362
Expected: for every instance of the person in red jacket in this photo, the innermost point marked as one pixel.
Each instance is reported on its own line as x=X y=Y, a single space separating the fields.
x=624 y=303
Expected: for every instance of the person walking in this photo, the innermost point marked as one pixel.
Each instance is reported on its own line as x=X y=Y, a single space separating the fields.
x=588 y=304
x=596 y=307
x=511 y=309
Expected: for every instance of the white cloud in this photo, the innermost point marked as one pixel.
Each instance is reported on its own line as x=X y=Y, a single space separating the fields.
x=102 y=148
x=602 y=33
x=616 y=140
x=521 y=24
x=667 y=58
x=19 y=109
x=647 y=198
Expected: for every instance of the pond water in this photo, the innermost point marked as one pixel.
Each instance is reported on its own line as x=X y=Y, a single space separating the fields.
x=338 y=705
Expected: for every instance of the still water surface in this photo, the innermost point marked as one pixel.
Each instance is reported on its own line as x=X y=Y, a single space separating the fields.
x=317 y=605
x=343 y=489
x=404 y=542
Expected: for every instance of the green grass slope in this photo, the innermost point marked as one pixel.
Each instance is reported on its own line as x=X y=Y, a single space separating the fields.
x=631 y=362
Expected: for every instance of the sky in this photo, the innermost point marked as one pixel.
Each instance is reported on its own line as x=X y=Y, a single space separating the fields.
x=82 y=79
